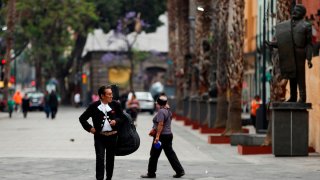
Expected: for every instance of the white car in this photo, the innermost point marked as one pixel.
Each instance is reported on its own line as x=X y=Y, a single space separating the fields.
x=146 y=101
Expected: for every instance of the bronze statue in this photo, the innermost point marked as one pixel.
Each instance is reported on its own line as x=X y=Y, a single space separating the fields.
x=294 y=42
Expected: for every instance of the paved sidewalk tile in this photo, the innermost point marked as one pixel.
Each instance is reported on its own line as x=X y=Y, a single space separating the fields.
x=40 y=148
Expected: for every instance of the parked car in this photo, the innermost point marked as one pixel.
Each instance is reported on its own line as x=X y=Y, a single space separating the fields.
x=3 y=103
x=36 y=100
x=146 y=101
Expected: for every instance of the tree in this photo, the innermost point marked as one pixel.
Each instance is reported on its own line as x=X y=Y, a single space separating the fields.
x=278 y=84
x=172 y=31
x=51 y=32
x=235 y=67
x=222 y=60
x=183 y=48
x=112 y=11
x=203 y=36
x=11 y=10
x=56 y=37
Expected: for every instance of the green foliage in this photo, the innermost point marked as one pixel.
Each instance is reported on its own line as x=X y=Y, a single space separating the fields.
x=150 y=11
x=50 y=26
x=108 y=13
x=140 y=56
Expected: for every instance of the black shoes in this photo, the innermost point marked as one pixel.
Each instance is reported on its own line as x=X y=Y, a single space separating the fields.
x=179 y=175
x=292 y=99
x=148 y=176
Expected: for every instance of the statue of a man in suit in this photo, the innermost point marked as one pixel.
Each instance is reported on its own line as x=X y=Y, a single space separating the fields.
x=294 y=43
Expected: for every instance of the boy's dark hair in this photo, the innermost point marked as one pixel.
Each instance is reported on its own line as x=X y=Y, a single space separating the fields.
x=162 y=100
x=102 y=89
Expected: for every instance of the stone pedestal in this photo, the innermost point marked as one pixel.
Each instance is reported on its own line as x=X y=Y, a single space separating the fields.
x=290 y=128
x=185 y=106
x=247 y=139
x=212 y=112
x=202 y=112
x=193 y=108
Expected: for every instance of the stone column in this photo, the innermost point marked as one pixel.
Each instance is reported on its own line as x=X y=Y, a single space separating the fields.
x=290 y=128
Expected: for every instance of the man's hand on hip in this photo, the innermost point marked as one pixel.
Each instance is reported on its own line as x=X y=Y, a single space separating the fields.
x=113 y=122
x=92 y=130
x=309 y=64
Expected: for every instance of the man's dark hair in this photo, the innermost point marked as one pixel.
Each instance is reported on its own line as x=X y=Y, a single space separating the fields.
x=115 y=92
x=300 y=9
x=102 y=89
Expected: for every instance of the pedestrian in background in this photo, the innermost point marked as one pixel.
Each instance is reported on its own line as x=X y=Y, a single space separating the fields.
x=106 y=115
x=17 y=98
x=53 y=103
x=123 y=99
x=25 y=105
x=255 y=104
x=46 y=101
x=77 y=99
x=94 y=98
x=161 y=132
x=133 y=108
x=10 y=106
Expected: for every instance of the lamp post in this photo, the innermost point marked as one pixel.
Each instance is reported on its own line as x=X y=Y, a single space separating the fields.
x=264 y=59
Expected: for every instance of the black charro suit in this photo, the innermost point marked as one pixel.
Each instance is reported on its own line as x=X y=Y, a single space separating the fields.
x=104 y=145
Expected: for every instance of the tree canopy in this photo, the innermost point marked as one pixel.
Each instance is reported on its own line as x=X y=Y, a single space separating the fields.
x=53 y=32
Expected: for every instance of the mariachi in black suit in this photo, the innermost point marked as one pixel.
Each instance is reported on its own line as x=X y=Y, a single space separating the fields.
x=104 y=145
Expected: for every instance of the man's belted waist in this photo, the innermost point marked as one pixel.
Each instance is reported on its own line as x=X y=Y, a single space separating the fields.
x=108 y=133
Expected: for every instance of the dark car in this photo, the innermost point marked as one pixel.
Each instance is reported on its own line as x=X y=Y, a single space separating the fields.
x=36 y=100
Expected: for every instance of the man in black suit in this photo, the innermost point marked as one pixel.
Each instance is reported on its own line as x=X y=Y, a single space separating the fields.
x=106 y=116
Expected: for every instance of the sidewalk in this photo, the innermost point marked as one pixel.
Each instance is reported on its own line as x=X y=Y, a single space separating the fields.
x=39 y=148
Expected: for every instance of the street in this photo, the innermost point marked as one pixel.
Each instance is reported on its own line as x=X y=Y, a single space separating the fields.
x=40 y=148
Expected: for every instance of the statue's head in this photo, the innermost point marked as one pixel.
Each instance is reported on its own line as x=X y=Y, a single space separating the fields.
x=299 y=11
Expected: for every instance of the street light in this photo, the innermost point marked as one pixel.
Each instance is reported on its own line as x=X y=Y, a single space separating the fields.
x=200 y=8
x=264 y=59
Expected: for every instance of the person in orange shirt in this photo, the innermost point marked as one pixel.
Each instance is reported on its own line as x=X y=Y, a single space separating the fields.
x=255 y=104
x=17 y=98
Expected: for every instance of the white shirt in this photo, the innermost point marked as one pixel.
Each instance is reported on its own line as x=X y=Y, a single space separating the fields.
x=106 y=108
x=77 y=98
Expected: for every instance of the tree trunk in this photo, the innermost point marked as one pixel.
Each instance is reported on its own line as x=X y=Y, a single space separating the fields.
x=195 y=61
x=235 y=67
x=201 y=31
x=65 y=72
x=130 y=57
x=222 y=60
x=234 y=113
x=184 y=40
x=205 y=54
x=278 y=85
x=172 y=29
x=11 y=11
x=38 y=67
x=183 y=48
